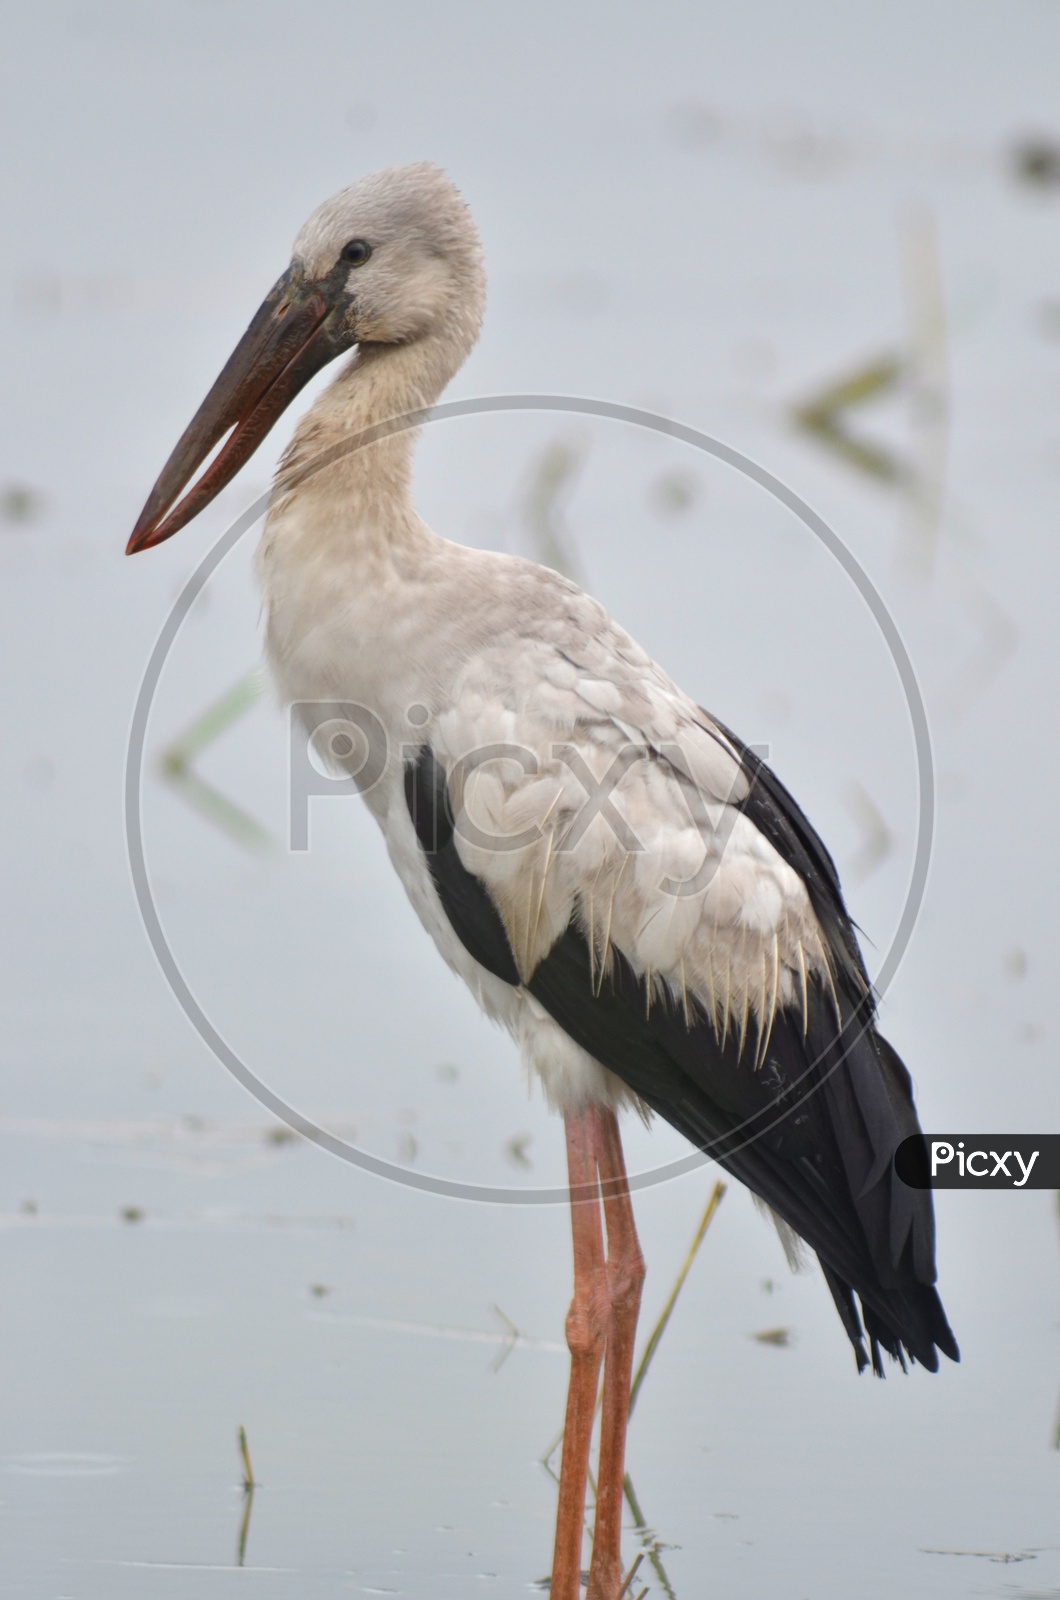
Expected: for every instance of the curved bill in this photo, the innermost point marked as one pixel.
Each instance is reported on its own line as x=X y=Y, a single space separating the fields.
x=292 y=335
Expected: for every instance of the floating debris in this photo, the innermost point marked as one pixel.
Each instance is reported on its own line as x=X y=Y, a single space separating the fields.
x=319 y=1290
x=280 y=1135
x=674 y=492
x=1016 y=962
x=1004 y=1556
x=19 y=504
x=516 y=1149
x=1036 y=162
x=781 y=1337
x=132 y=1214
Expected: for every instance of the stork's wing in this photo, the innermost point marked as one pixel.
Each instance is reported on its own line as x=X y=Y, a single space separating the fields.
x=778 y=818
x=733 y=1002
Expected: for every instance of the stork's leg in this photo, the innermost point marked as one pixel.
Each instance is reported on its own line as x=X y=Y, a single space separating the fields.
x=625 y=1277
x=586 y=1332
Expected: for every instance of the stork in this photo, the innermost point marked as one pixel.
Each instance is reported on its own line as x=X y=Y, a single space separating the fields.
x=621 y=882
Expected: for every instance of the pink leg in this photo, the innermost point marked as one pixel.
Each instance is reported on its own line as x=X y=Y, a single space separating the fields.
x=625 y=1277
x=586 y=1332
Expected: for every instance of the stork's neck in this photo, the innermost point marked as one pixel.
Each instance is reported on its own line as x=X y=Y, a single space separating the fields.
x=345 y=477
x=344 y=555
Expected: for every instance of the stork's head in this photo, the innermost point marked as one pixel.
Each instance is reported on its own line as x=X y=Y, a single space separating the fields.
x=392 y=260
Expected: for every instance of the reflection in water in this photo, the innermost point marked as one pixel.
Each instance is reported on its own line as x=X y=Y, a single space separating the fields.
x=249 y=1486
x=66 y=1464
x=823 y=417
x=649 y=1539
x=244 y=1525
x=928 y=388
x=177 y=758
x=509 y=1344
x=917 y=369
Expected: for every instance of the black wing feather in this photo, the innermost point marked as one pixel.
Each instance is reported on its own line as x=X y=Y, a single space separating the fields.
x=812 y=1130
x=775 y=813
x=465 y=898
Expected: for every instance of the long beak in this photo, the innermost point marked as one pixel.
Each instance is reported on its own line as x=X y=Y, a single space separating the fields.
x=292 y=336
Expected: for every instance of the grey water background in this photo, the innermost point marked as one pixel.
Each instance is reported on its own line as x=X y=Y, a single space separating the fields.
x=716 y=214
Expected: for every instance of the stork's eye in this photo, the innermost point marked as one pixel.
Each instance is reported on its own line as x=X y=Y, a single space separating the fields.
x=356 y=252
